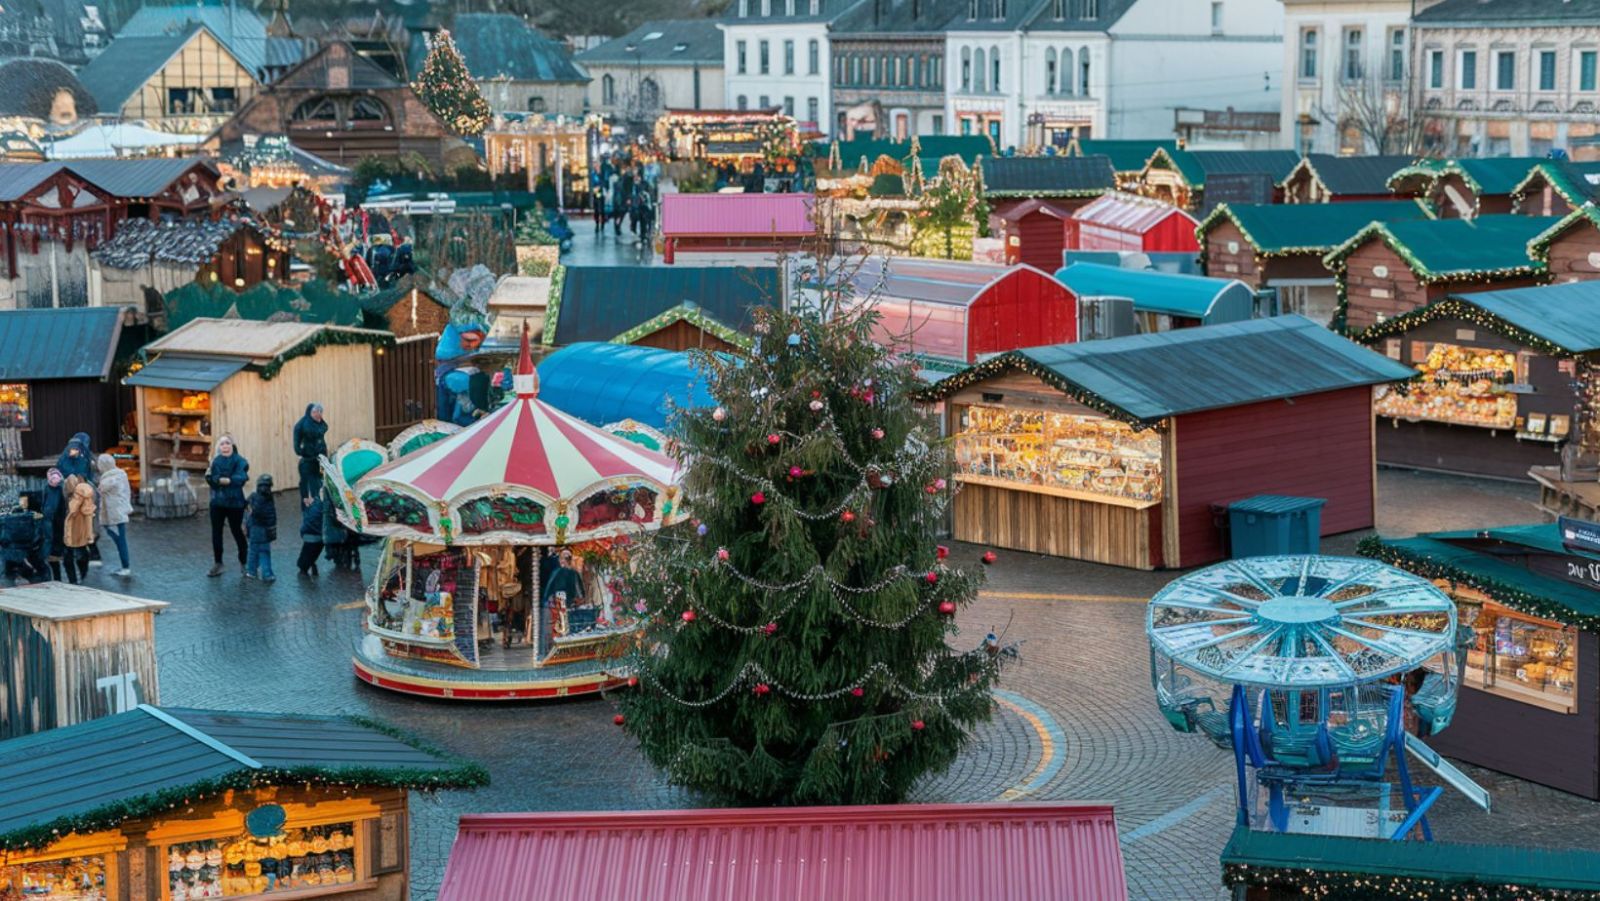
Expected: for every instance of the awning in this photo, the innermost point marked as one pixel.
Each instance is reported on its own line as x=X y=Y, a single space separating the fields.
x=190 y=373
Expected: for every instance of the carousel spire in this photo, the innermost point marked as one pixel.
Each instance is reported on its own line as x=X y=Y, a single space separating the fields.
x=525 y=379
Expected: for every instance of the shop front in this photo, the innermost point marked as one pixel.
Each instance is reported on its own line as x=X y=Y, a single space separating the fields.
x=1118 y=450
x=179 y=805
x=1532 y=598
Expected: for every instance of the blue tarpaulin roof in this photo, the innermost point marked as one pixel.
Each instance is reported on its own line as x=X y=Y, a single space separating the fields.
x=1191 y=296
x=187 y=373
x=606 y=383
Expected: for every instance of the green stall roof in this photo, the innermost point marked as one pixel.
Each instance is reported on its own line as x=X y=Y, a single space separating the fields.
x=1565 y=315
x=96 y=774
x=1145 y=378
x=1577 y=183
x=1442 y=248
x=599 y=303
x=1197 y=165
x=1126 y=155
x=1283 y=228
x=58 y=344
x=1353 y=174
x=1487 y=175
x=1048 y=176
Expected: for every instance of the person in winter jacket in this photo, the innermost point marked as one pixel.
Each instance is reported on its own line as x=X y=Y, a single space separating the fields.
x=21 y=533
x=54 y=510
x=116 y=503
x=310 y=442
x=339 y=542
x=78 y=529
x=263 y=520
x=310 y=535
x=227 y=475
x=74 y=459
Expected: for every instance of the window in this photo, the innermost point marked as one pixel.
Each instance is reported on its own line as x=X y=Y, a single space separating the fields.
x=739 y=50
x=1397 y=54
x=788 y=57
x=608 y=90
x=813 y=56
x=980 y=65
x=1520 y=657
x=1586 y=61
x=1091 y=9
x=1216 y=17
x=766 y=7
x=535 y=105
x=855 y=70
x=811 y=110
x=999 y=8
x=1547 y=70
x=1436 y=69
x=1083 y=71
x=744 y=102
x=1467 y=79
x=1308 y=53
x=873 y=72
x=744 y=10
x=649 y=94
x=1505 y=70
x=224 y=100
x=966 y=126
x=994 y=65
x=912 y=72
x=1058 y=9
x=788 y=7
x=972 y=9
x=938 y=123
x=371 y=109
x=180 y=101
x=788 y=106
x=765 y=57
x=814 y=6
x=1050 y=71
x=1064 y=81
x=966 y=68
x=1352 y=54
x=766 y=102
x=994 y=131
x=937 y=67
x=895 y=79
x=317 y=109
x=16 y=406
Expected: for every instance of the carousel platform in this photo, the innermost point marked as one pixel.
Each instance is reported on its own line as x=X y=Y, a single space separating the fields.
x=503 y=674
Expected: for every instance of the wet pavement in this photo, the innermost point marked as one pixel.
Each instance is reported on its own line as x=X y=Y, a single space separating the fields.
x=1076 y=719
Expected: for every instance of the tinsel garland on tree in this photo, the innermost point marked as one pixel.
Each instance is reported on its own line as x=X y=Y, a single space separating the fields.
x=447 y=88
x=796 y=652
x=1330 y=885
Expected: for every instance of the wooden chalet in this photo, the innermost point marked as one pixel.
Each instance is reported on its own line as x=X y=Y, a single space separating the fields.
x=1329 y=178
x=145 y=257
x=58 y=377
x=1179 y=177
x=1569 y=250
x=1128 y=157
x=1031 y=200
x=670 y=307
x=1461 y=189
x=1556 y=188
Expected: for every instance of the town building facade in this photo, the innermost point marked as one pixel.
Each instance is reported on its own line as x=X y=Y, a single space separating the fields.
x=888 y=69
x=1344 y=61
x=656 y=67
x=776 y=54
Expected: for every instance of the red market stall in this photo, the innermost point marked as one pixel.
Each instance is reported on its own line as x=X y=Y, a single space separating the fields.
x=1129 y=222
x=745 y=226
x=959 y=310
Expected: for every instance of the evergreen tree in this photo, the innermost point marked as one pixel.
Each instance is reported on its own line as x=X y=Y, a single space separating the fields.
x=447 y=88
x=796 y=652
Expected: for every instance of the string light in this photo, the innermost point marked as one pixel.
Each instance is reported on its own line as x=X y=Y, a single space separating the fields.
x=1505 y=594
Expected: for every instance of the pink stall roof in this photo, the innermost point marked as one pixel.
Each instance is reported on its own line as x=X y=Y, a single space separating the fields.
x=1128 y=213
x=736 y=215
x=931 y=852
x=934 y=281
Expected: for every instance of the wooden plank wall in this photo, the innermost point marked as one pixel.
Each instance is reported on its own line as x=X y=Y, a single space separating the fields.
x=1238 y=262
x=403 y=388
x=63 y=407
x=1059 y=526
x=1575 y=255
x=1378 y=281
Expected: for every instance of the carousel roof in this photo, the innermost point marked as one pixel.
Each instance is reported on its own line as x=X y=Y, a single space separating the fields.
x=1300 y=622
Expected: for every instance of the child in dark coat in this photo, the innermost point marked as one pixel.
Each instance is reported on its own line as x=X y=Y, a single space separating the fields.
x=310 y=535
x=262 y=519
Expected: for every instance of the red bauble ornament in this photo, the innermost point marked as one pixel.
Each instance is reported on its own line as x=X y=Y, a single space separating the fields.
x=916 y=725
x=941 y=551
x=688 y=616
x=770 y=629
x=762 y=689
x=847 y=516
x=618 y=719
x=758 y=498
x=796 y=472
x=932 y=577
x=857 y=692
x=989 y=557
x=931 y=490
x=877 y=434
x=774 y=438
x=633 y=681
x=722 y=553
x=948 y=608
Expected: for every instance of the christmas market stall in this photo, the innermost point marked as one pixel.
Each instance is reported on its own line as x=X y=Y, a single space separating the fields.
x=1556 y=188
x=671 y=307
x=80 y=653
x=56 y=377
x=1031 y=200
x=742 y=229
x=1128 y=157
x=1569 y=250
x=233 y=252
x=171 y=804
x=250 y=380
x=1530 y=704
x=1505 y=381
x=1464 y=188
x=1390 y=268
x=1129 y=222
x=1117 y=450
x=740 y=137
x=1164 y=300
x=1280 y=246
x=535 y=145
x=1329 y=178
x=474 y=519
x=1198 y=180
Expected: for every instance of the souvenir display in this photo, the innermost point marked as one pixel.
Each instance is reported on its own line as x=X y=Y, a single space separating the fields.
x=248 y=865
x=1059 y=450
x=1460 y=385
x=16 y=406
x=66 y=879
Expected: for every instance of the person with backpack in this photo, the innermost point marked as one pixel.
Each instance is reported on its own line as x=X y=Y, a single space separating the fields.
x=263 y=521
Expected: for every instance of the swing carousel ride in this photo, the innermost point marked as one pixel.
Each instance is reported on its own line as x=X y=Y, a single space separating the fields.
x=1321 y=674
x=502 y=543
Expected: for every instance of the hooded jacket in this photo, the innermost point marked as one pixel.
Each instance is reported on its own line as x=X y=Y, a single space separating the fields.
x=236 y=469
x=311 y=522
x=263 y=518
x=310 y=436
x=78 y=465
x=116 y=495
x=78 y=530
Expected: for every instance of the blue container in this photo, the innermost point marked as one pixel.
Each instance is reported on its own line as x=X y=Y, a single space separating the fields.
x=1270 y=524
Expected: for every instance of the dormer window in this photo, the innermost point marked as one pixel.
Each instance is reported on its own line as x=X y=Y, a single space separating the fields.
x=679 y=48
x=999 y=9
x=816 y=6
x=1058 y=9
x=653 y=36
x=744 y=8
x=972 y=10
x=788 y=8
x=766 y=8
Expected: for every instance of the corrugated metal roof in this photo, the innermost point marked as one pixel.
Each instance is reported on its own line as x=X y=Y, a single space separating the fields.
x=123 y=68
x=607 y=383
x=929 y=852
x=136 y=177
x=1045 y=176
x=1152 y=376
x=501 y=45
x=1343 y=175
x=187 y=373
x=1445 y=247
x=598 y=303
x=1128 y=213
x=1197 y=165
x=1276 y=228
x=1497 y=175
x=1579 y=183
x=898 y=18
x=1451 y=551
x=1507 y=13
x=737 y=215
x=1126 y=155
x=1566 y=315
x=1192 y=296
x=827 y=10
x=670 y=42
x=930 y=281
x=36 y=345
x=17 y=179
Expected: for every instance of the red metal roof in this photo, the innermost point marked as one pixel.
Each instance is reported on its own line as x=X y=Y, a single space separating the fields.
x=1128 y=213
x=929 y=852
x=741 y=215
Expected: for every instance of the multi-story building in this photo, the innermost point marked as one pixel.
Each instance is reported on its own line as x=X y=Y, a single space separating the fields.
x=517 y=67
x=1508 y=77
x=1346 y=68
x=656 y=67
x=888 y=68
x=776 y=54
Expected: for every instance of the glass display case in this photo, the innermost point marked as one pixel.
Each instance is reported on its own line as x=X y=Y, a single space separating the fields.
x=16 y=405
x=1518 y=656
x=247 y=865
x=1058 y=451
x=62 y=879
x=1461 y=385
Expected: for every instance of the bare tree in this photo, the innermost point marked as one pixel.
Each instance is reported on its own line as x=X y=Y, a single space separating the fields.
x=1384 y=113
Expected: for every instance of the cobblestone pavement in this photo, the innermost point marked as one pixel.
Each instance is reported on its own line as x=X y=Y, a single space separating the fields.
x=1076 y=721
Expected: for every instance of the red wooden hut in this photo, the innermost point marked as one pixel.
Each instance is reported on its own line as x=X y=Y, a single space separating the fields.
x=1129 y=222
x=1031 y=199
x=959 y=310
x=750 y=226
x=1117 y=450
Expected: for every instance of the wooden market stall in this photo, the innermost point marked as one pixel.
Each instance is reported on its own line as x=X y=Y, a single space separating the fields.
x=1032 y=198
x=747 y=229
x=958 y=311
x=1506 y=378
x=1128 y=157
x=1556 y=188
x=1331 y=178
x=178 y=805
x=56 y=377
x=729 y=136
x=1164 y=300
x=1531 y=700
x=1280 y=246
x=672 y=307
x=79 y=653
x=1198 y=180
x=1119 y=450
x=535 y=145
x=1390 y=268
x=1570 y=249
x=251 y=380
x=1129 y=222
x=1464 y=188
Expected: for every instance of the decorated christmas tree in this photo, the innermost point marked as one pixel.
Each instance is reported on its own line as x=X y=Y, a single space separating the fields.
x=797 y=652
x=447 y=88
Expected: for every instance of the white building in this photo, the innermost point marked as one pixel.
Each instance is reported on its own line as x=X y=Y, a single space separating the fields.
x=776 y=54
x=658 y=66
x=1046 y=70
x=1338 y=57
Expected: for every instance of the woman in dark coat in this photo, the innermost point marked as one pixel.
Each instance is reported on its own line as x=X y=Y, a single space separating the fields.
x=226 y=476
x=310 y=442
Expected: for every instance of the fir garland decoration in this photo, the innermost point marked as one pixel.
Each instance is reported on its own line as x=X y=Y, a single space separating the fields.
x=1334 y=885
x=685 y=312
x=1461 y=307
x=552 y=312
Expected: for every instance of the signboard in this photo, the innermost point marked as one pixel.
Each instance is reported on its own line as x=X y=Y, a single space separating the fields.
x=1580 y=534
x=1251 y=187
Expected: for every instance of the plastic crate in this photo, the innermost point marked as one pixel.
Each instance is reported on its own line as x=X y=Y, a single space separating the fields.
x=1270 y=524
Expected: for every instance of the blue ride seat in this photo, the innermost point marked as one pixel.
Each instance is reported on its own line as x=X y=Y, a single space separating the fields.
x=1435 y=703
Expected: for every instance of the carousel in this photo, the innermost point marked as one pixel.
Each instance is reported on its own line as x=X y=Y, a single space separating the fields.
x=502 y=544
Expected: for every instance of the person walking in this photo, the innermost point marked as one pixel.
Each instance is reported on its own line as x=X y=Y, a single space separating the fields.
x=116 y=504
x=54 y=510
x=263 y=531
x=644 y=216
x=78 y=529
x=227 y=475
x=597 y=200
x=75 y=460
x=310 y=535
x=310 y=443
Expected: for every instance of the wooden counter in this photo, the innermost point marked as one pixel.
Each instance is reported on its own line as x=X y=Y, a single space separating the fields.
x=1056 y=521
